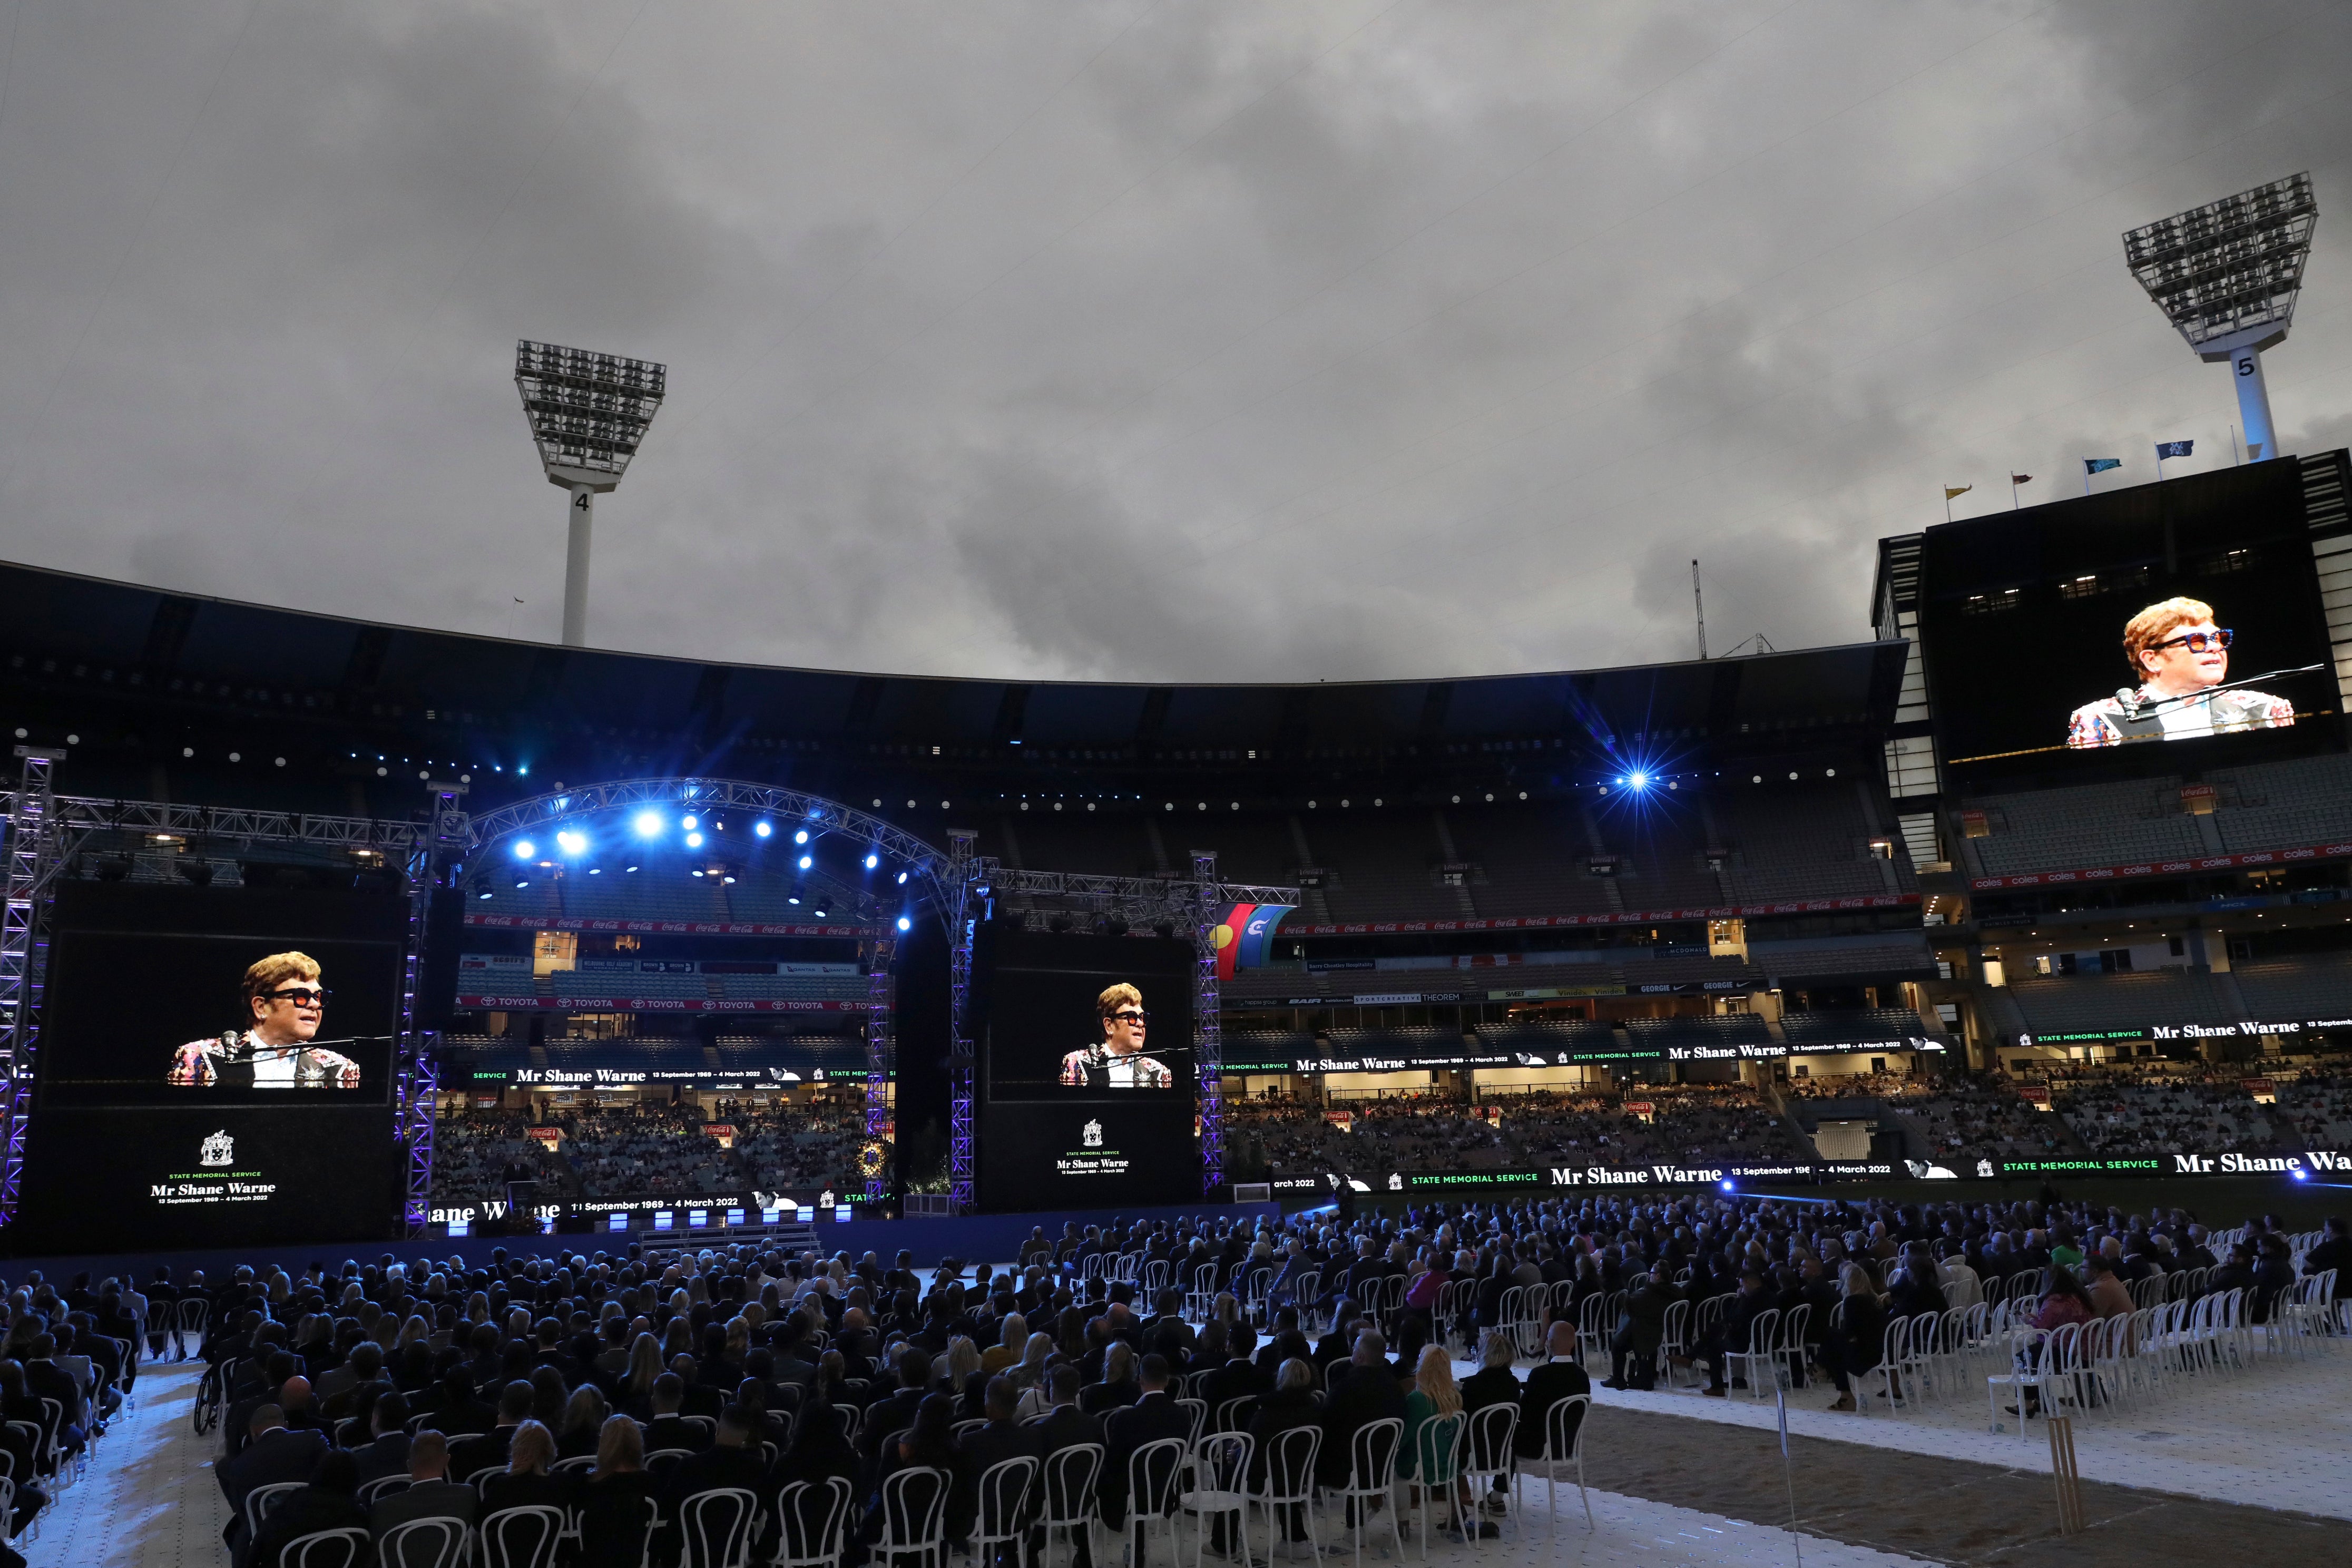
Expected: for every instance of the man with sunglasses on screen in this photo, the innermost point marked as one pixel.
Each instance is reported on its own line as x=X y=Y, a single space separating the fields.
x=284 y=1003
x=1119 y=1062
x=2180 y=658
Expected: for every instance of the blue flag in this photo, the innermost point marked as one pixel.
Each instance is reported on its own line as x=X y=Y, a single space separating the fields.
x=2100 y=465
x=2173 y=449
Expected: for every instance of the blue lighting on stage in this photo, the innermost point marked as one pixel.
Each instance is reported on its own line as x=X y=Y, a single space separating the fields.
x=801 y=836
x=902 y=878
x=648 y=824
x=807 y=861
x=573 y=841
x=524 y=850
x=762 y=828
x=693 y=840
x=690 y=822
x=872 y=861
x=904 y=923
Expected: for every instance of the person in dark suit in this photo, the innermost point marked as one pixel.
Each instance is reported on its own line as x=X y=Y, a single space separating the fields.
x=728 y=1461
x=1550 y=1381
x=1004 y=1438
x=1290 y=1406
x=927 y=1444
x=893 y=1413
x=666 y=1430
x=431 y=1494
x=1064 y=1424
x=386 y=1453
x=1368 y=1393
x=455 y=1411
x=24 y=1463
x=487 y=1451
x=1152 y=1416
x=236 y=1428
x=275 y=1454
x=327 y=1503
x=1641 y=1330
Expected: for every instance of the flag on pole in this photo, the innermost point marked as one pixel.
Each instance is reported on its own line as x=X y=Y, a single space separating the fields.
x=1952 y=490
x=1241 y=935
x=2173 y=449
x=2100 y=465
x=2020 y=478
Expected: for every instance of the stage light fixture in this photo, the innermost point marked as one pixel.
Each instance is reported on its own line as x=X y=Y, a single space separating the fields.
x=762 y=829
x=872 y=861
x=807 y=861
x=2226 y=276
x=573 y=842
x=902 y=878
x=648 y=823
x=689 y=823
x=694 y=841
x=819 y=913
x=483 y=894
x=800 y=835
x=1639 y=781
x=588 y=413
x=524 y=850
x=905 y=924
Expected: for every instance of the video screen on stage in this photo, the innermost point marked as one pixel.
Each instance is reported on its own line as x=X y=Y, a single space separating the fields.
x=1085 y=1058
x=214 y=1067
x=225 y=1176
x=195 y=996
x=2150 y=630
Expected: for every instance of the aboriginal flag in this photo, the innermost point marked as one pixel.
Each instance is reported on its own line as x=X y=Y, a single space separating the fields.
x=1242 y=935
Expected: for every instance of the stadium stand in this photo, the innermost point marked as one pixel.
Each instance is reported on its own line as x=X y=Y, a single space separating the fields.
x=2074 y=1003
x=2148 y=1113
x=1964 y=1118
x=1833 y=1027
x=2297 y=989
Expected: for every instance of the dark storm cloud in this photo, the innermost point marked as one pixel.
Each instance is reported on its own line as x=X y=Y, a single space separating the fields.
x=1131 y=340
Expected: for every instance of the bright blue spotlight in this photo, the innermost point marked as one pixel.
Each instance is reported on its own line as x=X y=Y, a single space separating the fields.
x=762 y=828
x=904 y=923
x=648 y=823
x=1639 y=781
x=1727 y=1184
x=807 y=861
x=688 y=822
x=693 y=840
x=902 y=878
x=872 y=861
x=801 y=836
x=573 y=842
x=524 y=850
x=2301 y=1174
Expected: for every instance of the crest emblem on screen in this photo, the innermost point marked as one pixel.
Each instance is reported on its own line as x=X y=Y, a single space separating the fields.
x=220 y=1149
x=1091 y=1135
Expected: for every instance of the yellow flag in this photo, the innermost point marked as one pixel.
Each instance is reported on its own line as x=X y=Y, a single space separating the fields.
x=1951 y=491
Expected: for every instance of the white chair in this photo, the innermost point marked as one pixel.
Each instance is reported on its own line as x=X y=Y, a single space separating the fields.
x=1676 y=1341
x=437 y=1543
x=1436 y=1463
x=1487 y=1454
x=714 y=1527
x=374 y=1492
x=1763 y=1347
x=2032 y=1365
x=1153 y=1472
x=1004 y=1514
x=1371 y=1477
x=1219 y=1490
x=1196 y=1412
x=812 y=1523
x=262 y=1500
x=344 y=1548
x=1563 y=1451
x=1069 y=1500
x=1288 y=1492
x=914 y=1516
x=523 y=1537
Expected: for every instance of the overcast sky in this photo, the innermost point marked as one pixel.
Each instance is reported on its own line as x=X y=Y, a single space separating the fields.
x=1199 y=340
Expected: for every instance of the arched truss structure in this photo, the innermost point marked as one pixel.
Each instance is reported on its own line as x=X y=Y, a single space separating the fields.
x=941 y=877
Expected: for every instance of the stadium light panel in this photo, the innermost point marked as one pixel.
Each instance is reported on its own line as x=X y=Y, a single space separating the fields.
x=2226 y=276
x=588 y=413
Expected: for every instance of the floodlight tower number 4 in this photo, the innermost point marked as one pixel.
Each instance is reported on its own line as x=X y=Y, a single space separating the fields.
x=588 y=413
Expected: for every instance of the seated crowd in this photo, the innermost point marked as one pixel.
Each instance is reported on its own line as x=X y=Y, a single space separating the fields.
x=647 y=1151
x=619 y=1385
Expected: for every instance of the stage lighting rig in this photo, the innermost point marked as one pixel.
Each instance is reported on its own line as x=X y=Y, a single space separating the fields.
x=2226 y=275
x=588 y=413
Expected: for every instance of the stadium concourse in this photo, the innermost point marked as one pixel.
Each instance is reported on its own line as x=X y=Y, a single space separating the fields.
x=2206 y=1400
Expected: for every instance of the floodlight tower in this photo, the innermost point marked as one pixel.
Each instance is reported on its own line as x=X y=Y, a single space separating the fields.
x=588 y=413
x=2226 y=274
